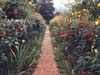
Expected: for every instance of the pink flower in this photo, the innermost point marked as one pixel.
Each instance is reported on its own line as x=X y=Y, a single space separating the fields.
x=83 y=72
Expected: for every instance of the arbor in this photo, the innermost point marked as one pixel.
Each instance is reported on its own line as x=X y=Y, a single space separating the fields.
x=46 y=9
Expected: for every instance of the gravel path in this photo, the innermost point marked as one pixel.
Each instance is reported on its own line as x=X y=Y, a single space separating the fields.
x=46 y=65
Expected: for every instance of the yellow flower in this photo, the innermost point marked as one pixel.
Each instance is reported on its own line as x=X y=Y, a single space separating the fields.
x=98 y=4
x=72 y=13
x=30 y=3
x=84 y=10
x=97 y=22
x=96 y=50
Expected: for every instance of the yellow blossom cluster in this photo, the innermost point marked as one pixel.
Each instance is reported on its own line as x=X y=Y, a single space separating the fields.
x=83 y=12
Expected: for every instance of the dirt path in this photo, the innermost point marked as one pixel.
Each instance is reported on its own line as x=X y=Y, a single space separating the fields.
x=46 y=65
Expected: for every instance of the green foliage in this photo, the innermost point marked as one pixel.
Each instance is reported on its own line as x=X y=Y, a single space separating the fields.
x=75 y=47
x=46 y=10
x=21 y=57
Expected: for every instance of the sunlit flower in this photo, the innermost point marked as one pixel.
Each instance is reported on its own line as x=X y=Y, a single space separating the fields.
x=92 y=46
x=84 y=10
x=99 y=16
x=78 y=14
x=97 y=22
x=30 y=3
x=72 y=13
x=23 y=41
x=55 y=48
x=96 y=35
x=96 y=50
x=98 y=4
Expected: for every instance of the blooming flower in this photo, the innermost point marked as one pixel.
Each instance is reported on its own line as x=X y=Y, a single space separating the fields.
x=83 y=72
x=69 y=30
x=62 y=34
x=98 y=4
x=80 y=23
x=68 y=21
x=2 y=34
x=89 y=34
x=96 y=50
x=92 y=46
x=97 y=22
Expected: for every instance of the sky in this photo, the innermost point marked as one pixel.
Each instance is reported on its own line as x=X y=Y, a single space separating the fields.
x=59 y=4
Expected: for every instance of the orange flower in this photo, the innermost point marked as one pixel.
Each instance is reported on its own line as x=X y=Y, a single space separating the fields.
x=68 y=21
x=81 y=23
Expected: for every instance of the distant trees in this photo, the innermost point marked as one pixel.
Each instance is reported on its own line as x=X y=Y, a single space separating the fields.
x=46 y=9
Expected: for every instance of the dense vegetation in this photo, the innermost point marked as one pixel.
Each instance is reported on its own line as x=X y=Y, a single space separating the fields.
x=76 y=39
x=21 y=33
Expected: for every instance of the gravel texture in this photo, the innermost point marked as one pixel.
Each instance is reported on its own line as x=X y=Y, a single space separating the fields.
x=47 y=64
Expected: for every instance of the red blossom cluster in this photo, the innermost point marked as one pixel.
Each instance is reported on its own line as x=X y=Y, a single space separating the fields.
x=2 y=34
x=83 y=72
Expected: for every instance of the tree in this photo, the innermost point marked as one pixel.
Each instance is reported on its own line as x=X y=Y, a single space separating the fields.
x=46 y=9
x=92 y=5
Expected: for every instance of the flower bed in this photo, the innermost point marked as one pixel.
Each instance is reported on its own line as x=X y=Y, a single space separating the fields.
x=77 y=43
x=20 y=42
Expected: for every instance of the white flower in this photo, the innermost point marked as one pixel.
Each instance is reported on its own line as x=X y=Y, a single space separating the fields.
x=16 y=42
x=23 y=41
x=7 y=41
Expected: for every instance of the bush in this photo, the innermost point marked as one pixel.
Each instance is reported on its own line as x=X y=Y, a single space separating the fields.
x=78 y=40
x=20 y=47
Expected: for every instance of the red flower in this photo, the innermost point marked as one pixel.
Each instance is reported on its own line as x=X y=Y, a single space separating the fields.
x=62 y=34
x=89 y=34
x=69 y=30
x=83 y=72
x=2 y=34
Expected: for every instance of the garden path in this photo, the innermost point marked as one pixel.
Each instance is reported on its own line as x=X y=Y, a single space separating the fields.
x=47 y=64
